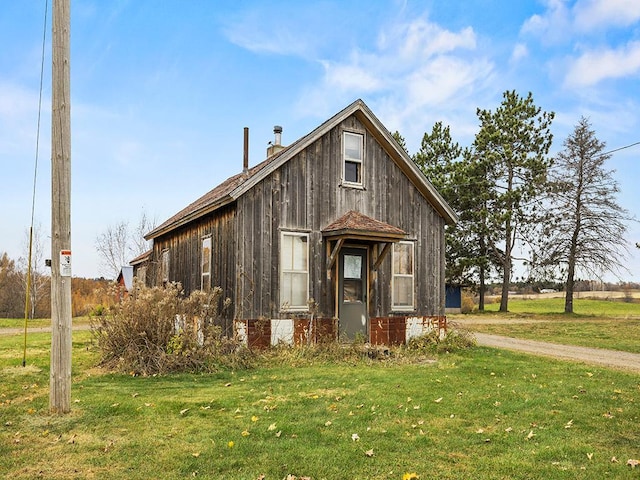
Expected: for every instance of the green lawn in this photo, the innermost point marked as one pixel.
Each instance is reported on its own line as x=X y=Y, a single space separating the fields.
x=584 y=307
x=597 y=323
x=481 y=413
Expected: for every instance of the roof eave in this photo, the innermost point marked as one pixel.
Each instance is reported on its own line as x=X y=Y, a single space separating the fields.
x=227 y=199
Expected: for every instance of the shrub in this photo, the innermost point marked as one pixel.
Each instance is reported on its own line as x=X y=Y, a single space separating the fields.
x=433 y=342
x=159 y=330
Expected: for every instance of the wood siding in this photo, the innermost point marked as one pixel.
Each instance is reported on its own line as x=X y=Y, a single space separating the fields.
x=185 y=254
x=305 y=194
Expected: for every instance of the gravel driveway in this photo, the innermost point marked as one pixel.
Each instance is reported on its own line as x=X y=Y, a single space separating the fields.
x=595 y=356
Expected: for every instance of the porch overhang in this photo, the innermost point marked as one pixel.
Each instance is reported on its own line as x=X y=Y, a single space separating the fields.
x=355 y=226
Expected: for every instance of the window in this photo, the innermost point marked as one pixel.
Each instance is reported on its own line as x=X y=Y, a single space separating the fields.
x=206 y=264
x=164 y=274
x=402 y=283
x=353 y=153
x=294 y=271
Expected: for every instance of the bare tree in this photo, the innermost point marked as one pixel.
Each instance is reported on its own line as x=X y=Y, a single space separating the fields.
x=39 y=278
x=586 y=227
x=117 y=245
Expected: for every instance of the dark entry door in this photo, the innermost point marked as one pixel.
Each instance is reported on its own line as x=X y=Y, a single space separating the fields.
x=352 y=295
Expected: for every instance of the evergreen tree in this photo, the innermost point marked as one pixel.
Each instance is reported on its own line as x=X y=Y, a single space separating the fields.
x=511 y=148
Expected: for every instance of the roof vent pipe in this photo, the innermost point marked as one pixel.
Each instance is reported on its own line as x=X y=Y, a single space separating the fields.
x=277 y=130
x=245 y=158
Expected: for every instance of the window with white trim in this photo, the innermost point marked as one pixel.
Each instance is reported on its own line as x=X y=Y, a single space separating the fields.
x=353 y=156
x=402 y=281
x=205 y=264
x=294 y=271
x=164 y=265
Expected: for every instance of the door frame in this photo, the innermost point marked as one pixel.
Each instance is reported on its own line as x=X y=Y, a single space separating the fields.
x=364 y=251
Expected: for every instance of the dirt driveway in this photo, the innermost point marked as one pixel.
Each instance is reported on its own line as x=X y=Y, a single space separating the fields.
x=594 y=356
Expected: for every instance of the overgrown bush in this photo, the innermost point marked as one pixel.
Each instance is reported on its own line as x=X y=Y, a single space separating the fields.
x=432 y=342
x=159 y=330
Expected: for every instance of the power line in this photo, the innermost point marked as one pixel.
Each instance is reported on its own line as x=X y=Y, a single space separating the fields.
x=35 y=177
x=618 y=149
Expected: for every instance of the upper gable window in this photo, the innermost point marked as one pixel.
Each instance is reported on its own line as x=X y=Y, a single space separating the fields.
x=353 y=155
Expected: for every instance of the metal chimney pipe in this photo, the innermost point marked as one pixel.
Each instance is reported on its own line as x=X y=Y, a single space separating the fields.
x=277 y=130
x=245 y=158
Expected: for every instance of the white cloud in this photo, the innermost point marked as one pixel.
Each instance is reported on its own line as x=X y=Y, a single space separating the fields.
x=560 y=22
x=418 y=64
x=595 y=66
x=590 y=14
x=551 y=26
x=519 y=52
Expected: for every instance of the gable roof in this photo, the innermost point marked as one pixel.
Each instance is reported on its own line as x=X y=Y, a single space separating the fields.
x=234 y=187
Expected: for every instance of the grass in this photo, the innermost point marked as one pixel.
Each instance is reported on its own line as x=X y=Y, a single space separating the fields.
x=613 y=325
x=583 y=307
x=481 y=413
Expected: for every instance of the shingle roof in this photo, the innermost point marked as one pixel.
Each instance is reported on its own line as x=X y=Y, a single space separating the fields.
x=234 y=187
x=354 y=222
x=211 y=200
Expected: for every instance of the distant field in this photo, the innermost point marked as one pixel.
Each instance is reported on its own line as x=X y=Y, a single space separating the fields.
x=547 y=305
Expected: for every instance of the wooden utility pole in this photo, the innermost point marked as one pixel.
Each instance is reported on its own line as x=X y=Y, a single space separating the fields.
x=60 y=377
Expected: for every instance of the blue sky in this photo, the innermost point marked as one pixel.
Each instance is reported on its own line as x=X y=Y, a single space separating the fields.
x=161 y=91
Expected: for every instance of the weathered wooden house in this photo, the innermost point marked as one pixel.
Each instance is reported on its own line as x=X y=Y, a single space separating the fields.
x=337 y=234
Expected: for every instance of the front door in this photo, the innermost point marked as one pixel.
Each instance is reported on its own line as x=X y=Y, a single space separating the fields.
x=352 y=294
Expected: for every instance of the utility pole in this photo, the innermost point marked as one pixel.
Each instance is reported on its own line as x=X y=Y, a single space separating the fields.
x=60 y=376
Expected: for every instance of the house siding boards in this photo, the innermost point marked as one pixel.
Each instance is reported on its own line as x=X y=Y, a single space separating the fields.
x=300 y=191
x=305 y=194
x=185 y=254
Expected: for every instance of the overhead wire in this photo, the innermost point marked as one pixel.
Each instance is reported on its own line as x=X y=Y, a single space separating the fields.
x=33 y=197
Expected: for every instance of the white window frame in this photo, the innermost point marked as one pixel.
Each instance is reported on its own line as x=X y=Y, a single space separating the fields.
x=165 y=266
x=346 y=158
x=205 y=277
x=285 y=297
x=394 y=275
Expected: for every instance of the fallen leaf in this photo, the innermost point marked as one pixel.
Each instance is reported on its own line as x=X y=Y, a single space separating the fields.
x=227 y=384
x=607 y=415
x=633 y=463
x=271 y=427
x=480 y=430
x=508 y=429
x=245 y=433
x=183 y=411
x=569 y=424
x=438 y=400
x=72 y=440
x=590 y=456
x=327 y=423
x=195 y=454
x=614 y=460
x=355 y=437
x=369 y=453
x=278 y=433
x=254 y=418
x=261 y=477
x=531 y=435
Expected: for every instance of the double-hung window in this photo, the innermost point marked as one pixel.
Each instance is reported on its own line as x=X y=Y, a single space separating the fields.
x=353 y=155
x=294 y=271
x=205 y=264
x=403 y=276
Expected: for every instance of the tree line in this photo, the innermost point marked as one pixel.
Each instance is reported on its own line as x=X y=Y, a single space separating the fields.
x=558 y=215
x=86 y=294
